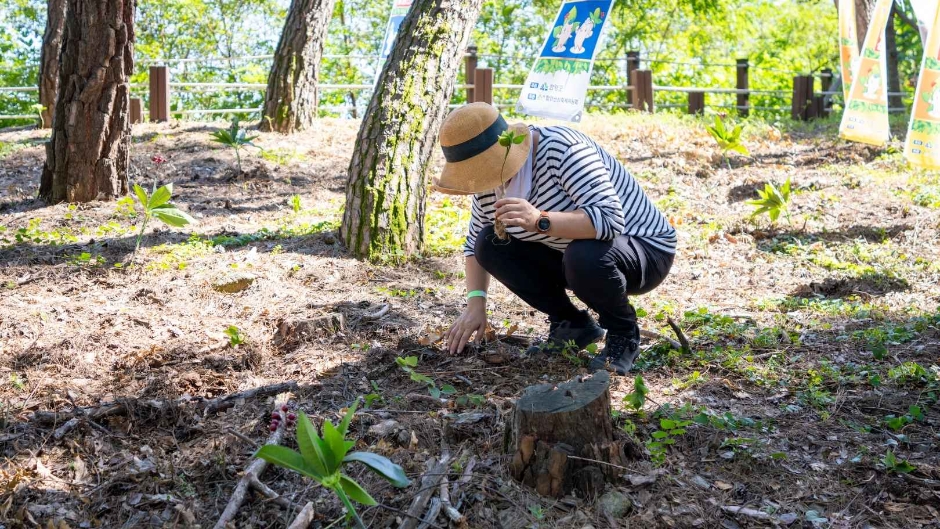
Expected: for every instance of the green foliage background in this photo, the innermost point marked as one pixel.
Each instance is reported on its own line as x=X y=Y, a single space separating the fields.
x=684 y=42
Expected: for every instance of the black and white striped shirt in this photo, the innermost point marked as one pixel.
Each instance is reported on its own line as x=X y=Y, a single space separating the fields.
x=573 y=172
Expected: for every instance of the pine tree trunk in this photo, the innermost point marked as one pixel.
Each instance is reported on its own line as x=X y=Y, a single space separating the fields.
x=49 y=59
x=88 y=154
x=863 y=10
x=290 y=103
x=386 y=189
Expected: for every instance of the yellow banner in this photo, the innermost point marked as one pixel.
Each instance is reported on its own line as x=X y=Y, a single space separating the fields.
x=848 y=43
x=923 y=135
x=866 y=112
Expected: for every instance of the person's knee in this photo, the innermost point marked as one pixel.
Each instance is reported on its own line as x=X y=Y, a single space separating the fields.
x=483 y=248
x=588 y=266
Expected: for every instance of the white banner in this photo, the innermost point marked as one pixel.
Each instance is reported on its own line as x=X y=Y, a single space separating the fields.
x=557 y=84
x=925 y=11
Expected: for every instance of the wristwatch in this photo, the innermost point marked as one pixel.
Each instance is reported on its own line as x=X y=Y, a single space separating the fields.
x=544 y=223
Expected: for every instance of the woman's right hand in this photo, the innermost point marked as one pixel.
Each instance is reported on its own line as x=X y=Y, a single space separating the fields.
x=473 y=320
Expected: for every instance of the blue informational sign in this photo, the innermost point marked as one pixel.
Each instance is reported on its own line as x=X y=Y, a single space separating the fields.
x=558 y=82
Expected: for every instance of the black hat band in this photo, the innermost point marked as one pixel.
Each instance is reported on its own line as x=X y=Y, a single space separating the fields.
x=477 y=144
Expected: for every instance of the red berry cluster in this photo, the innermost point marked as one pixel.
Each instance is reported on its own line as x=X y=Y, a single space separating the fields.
x=157 y=159
x=276 y=418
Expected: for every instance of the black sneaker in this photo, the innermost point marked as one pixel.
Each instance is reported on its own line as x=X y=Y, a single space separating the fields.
x=618 y=355
x=561 y=333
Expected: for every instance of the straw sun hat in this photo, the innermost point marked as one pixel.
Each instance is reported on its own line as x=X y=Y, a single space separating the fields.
x=469 y=138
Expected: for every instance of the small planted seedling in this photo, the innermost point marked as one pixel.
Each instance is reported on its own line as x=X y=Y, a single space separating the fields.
x=507 y=139
x=893 y=464
x=235 y=337
x=322 y=459
x=157 y=205
x=408 y=363
x=773 y=201
x=236 y=138
x=727 y=139
x=637 y=398
x=39 y=108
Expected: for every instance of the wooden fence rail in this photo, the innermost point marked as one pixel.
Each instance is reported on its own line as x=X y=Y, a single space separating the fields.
x=479 y=85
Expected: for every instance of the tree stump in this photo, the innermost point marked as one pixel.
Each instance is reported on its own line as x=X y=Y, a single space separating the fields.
x=562 y=438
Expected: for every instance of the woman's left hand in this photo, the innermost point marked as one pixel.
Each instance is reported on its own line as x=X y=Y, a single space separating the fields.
x=518 y=212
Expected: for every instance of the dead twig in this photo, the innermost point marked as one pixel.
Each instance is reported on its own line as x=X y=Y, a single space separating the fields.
x=429 y=484
x=446 y=506
x=653 y=335
x=383 y=310
x=125 y=406
x=304 y=518
x=683 y=341
x=254 y=469
x=272 y=496
x=745 y=511
x=433 y=511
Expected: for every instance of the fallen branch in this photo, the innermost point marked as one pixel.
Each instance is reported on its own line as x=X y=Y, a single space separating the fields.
x=683 y=341
x=383 y=310
x=124 y=407
x=272 y=496
x=303 y=519
x=653 y=335
x=254 y=469
x=446 y=505
x=744 y=511
x=433 y=511
x=429 y=483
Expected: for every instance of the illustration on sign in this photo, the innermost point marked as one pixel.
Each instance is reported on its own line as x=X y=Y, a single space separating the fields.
x=922 y=146
x=558 y=82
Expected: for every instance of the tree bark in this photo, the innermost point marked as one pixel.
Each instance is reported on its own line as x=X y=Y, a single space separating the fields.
x=88 y=154
x=558 y=434
x=894 y=74
x=386 y=189
x=290 y=103
x=49 y=59
x=863 y=10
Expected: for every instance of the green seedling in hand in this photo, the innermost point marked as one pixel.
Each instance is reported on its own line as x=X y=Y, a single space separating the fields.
x=728 y=140
x=322 y=458
x=773 y=201
x=507 y=139
x=158 y=205
x=236 y=138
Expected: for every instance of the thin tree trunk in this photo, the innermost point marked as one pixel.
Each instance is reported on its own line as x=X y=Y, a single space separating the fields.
x=88 y=154
x=863 y=10
x=894 y=75
x=49 y=59
x=290 y=103
x=385 y=192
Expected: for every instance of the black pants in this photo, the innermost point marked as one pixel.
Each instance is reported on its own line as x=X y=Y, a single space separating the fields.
x=600 y=273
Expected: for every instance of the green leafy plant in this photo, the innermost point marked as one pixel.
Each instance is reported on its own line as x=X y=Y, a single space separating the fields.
x=892 y=463
x=728 y=139
x=322 y=459
x=507 y=139
x=637 y=398
x=157 y=205
x=773 y=201
x=665 y=436
x=408 y=365
x=235 y=337
x=295 y=203
x=39 y=108
x=236 y=138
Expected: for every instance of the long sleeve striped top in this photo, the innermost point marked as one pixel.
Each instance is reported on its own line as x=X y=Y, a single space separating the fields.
x=573 y=172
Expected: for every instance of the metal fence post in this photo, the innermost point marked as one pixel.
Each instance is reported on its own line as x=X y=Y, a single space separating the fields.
x=470 y=67
x=744 y=106
x=159 y=93
x=483 y=85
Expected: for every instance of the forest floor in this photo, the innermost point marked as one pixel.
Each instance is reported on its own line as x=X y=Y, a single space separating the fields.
x=810 y=391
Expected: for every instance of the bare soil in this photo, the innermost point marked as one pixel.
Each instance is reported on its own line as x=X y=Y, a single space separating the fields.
x=805 y=338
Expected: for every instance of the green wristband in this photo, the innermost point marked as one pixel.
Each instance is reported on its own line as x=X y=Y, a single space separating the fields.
x=476 y=294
